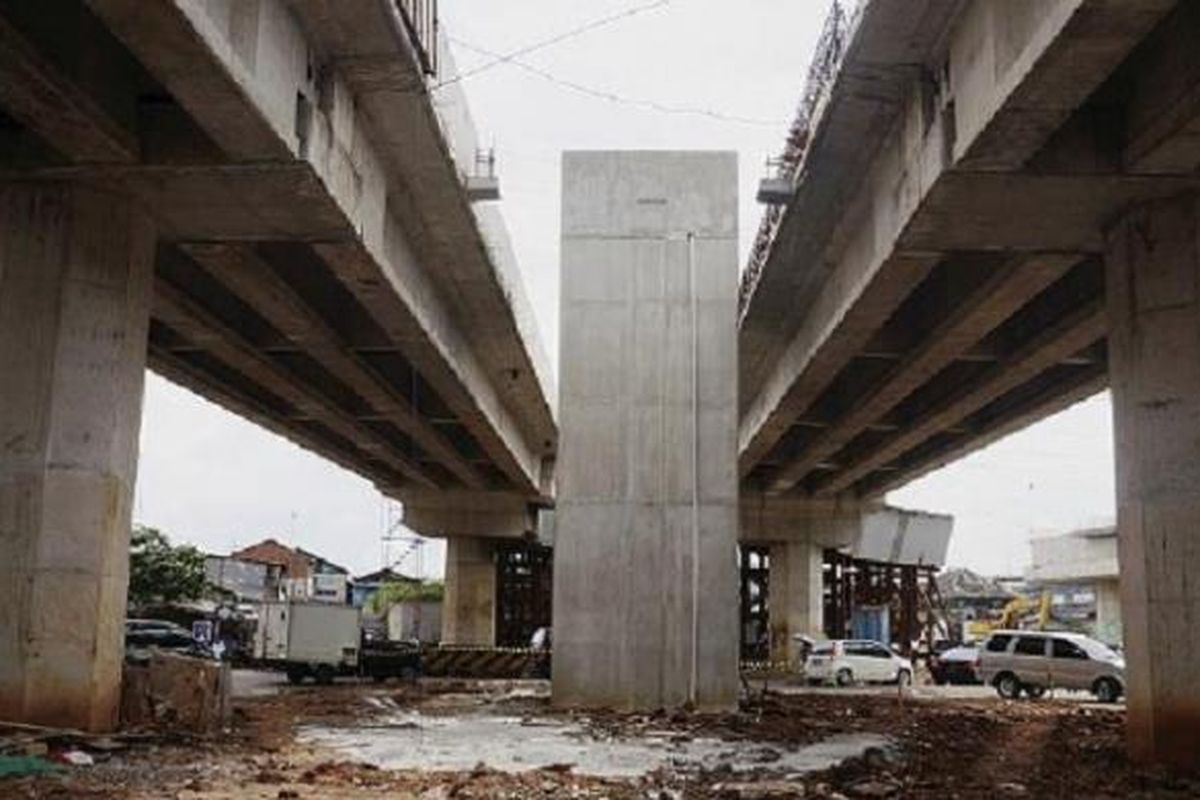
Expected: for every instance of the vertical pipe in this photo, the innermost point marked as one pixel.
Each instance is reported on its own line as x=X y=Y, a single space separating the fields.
x=695 y=674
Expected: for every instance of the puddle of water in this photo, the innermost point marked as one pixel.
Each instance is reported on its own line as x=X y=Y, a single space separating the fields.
x=459 y=743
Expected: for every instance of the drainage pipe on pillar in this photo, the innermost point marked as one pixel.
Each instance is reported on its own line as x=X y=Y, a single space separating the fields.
x=692 y=288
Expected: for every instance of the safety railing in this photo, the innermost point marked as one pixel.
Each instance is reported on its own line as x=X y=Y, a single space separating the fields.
x=822 y=74
x=421 y=18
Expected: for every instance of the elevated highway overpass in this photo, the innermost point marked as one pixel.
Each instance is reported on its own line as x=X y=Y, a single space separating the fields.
x=990 y=214
x=270 y=203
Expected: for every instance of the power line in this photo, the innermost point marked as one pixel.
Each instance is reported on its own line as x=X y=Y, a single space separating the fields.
x=612 y=97
x=498 y=59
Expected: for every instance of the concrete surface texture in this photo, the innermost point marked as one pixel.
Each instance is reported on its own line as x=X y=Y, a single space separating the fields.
x=320 y=269
x=1154 y=314
x=469 y=604
x=796 y=598
x=645 y=582
x=75 y=269
x=936 y=280
x=1075 y=557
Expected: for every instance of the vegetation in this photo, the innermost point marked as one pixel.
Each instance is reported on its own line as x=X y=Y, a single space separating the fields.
x=394 y=592
x=160 y=572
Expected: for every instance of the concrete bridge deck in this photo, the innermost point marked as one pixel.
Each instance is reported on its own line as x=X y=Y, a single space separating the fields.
x=937 y=280
x=320 y=268
x=994 y=215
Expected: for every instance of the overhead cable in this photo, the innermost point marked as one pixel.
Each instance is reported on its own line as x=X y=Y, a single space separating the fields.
x=499 y=59
x=612 y=97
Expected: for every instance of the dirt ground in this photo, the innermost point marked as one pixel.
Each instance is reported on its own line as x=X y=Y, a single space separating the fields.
x=950 y=748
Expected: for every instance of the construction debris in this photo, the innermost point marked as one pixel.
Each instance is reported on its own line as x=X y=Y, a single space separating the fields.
x=932 y=748
x=182 y=693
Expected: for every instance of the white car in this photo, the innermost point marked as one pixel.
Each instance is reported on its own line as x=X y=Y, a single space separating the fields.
x=847 y=661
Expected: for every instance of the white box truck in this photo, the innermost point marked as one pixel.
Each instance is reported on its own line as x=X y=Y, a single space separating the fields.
x=320 y=640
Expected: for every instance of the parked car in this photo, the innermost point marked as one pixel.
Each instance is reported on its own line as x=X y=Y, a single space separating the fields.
x=1030 y=662
x=157 y=633
x=955 y=666
x=847 y=661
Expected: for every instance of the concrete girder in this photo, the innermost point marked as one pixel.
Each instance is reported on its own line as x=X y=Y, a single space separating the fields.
x=254 y=281
x=428 y=145
x=869 y=97
x=838 y=326
x=170 y=365
x=917 y=197
x=202 y=328
x=1066 y=337
x=1058 y=397
x=1019 y=70
x=55 y=108
x=989 y=304
x=250 y=76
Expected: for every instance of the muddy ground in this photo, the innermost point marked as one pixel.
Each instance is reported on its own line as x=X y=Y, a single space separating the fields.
x=947 y=748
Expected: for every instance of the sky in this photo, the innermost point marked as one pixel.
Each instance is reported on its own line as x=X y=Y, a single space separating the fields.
x=209 y=478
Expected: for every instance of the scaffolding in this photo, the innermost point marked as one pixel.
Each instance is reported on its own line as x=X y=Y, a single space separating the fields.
x=822 y=73
x=905 y=595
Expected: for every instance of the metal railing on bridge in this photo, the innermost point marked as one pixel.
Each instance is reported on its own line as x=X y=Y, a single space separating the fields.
x=421 y=17
x=822 y=73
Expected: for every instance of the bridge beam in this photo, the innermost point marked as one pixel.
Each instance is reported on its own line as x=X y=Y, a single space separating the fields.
x=75 y=282
x=1154 y=341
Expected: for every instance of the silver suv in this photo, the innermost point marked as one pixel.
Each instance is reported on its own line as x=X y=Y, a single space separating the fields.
x=1033 y=661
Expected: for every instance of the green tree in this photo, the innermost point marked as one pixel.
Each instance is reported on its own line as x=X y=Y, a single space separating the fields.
x=160 y=572
x=398 y=592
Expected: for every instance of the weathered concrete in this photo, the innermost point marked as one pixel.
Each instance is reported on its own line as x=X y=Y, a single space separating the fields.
x=645 y=581
x=934 y=283
x=469 y=606
x=796 y=601
x=1154 y=308
x=75 y=271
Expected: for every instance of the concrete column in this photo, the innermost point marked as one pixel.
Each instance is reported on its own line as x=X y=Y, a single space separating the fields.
x=796 y=602
x=1154 y=362
x=469 y=608
x=1108 y=612
x=75 y=272
x=645 y=569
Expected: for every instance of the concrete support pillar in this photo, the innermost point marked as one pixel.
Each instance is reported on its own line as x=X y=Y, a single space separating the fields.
x=469 y=608
x=1154 y=360
x=645 y=559
x=795 y=601
x=75 y=272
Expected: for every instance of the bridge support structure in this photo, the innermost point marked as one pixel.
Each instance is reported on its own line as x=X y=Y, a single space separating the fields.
x=645 y=562
x=75 y=278
x=1153 y=263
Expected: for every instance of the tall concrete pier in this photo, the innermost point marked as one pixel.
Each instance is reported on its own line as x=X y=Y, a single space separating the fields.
x=645 y=583
x=75 y=272
x=1154 y=352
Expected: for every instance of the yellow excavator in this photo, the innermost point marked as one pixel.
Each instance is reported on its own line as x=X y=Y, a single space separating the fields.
x=1016 y=615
